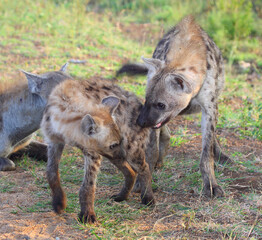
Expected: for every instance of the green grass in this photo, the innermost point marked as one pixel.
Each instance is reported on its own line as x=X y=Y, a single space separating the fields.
x=6 y=185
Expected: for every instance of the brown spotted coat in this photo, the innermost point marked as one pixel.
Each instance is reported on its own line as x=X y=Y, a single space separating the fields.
x=67 y=106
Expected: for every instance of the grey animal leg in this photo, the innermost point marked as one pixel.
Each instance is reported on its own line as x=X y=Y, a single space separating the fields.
x=54 y=155
x=87 y=190
x=6 y=164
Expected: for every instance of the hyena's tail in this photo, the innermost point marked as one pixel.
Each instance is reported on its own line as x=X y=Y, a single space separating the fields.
x=133 y=69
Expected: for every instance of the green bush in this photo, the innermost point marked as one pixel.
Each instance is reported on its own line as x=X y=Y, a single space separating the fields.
x=233 y=19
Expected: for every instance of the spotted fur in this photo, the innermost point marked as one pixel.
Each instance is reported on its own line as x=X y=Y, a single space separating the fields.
x=67 y=105
x=186 y=75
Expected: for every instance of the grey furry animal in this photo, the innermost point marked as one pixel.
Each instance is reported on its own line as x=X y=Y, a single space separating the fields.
x=21 y=111
x=185 y=75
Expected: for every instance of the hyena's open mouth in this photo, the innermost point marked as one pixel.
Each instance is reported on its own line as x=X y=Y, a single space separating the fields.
x=160 y=124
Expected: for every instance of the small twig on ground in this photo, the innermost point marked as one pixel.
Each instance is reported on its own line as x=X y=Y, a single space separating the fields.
x=252 y=227
x=77 y=61
x=249 y=154
x=159 y=220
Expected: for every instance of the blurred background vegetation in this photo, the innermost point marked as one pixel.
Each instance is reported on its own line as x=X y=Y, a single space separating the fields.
x=232 y=24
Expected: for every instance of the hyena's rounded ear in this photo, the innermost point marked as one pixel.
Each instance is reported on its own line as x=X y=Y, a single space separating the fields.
x=112 y=102
x=64 y=67
x=34 y=82
x=178 y=83
x=88 y=125
x=152 y=65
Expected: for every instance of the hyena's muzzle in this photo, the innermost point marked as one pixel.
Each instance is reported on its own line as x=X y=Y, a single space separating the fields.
x=151 y=116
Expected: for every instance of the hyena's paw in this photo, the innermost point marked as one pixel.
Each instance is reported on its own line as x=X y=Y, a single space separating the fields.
x=6 y=164
x=119 y=198
x=214 y=191
x=59 y=202
x=148 y=200
x=87 y=218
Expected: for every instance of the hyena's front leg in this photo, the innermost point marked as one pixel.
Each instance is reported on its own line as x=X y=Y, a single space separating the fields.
x=145 y=178
x=87 y=190
x=152 y=155
x=211 y=188
x=130 y=177
x=155 y=151
x=54 y=155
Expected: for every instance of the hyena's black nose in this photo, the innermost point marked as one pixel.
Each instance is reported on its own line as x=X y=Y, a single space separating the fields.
x=141 y=121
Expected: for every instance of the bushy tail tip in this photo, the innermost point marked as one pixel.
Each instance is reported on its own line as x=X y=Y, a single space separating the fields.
x=133 y=69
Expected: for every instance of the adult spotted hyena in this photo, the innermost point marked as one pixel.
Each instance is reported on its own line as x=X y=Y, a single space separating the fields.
x=99 y=118
x=21 y=111
x=185 y=75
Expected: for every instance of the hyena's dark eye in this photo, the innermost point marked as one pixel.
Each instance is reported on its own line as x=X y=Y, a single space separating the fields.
x=113 y=145
x=161 y=106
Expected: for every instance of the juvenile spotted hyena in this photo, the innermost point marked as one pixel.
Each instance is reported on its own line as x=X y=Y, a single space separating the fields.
x=185 y=75
x=100 y=119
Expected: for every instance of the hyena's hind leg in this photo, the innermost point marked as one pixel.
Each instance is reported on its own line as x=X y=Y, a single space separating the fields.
x=58 y=196
x=87 y=190
x=130 y=177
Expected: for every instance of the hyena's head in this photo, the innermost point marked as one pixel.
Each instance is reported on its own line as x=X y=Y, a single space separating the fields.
x=102 y=132
x=43 y=84
x=168 y=93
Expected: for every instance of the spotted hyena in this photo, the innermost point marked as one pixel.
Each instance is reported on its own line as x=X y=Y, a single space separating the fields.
x=21 y=111
x=185 y=75
x=99 y=118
